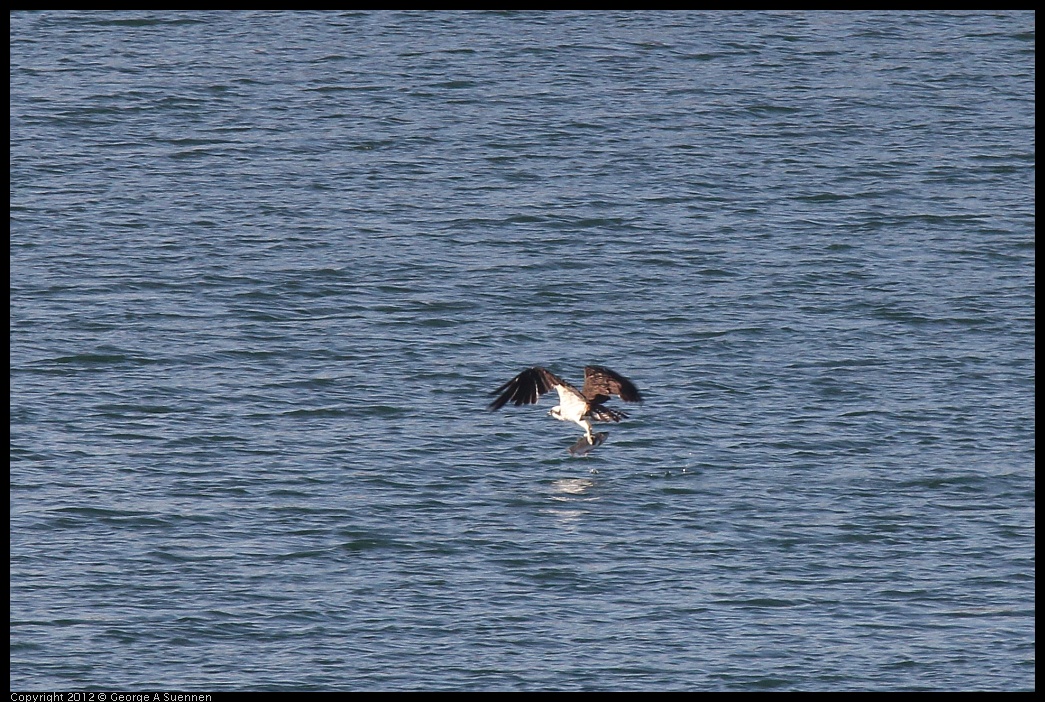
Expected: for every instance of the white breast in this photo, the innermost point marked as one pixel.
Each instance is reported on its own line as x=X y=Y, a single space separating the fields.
x=572 y=404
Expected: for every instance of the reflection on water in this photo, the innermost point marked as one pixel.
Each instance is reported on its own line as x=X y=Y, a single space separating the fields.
x=571 y=486
x=570 y=490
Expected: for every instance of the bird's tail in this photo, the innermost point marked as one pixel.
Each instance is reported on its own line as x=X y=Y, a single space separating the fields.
x=605 y=414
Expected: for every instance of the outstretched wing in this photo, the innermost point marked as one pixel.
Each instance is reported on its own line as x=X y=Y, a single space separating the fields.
x=600 y=383
x=525 y=388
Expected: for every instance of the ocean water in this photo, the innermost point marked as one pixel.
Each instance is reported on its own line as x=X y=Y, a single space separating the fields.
x=266 y=268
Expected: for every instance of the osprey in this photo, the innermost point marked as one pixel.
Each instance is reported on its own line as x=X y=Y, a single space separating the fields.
x=581 y=406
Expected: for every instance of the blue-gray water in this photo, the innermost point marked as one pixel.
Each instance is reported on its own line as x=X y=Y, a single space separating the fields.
x=266 y=268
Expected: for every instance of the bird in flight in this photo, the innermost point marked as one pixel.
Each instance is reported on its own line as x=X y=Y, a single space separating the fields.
x=582 y=406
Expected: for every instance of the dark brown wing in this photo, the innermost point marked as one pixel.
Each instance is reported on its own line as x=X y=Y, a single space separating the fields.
x=525 y=388
x=600 y=383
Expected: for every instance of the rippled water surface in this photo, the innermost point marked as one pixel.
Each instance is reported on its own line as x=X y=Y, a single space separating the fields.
x=267 y=267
